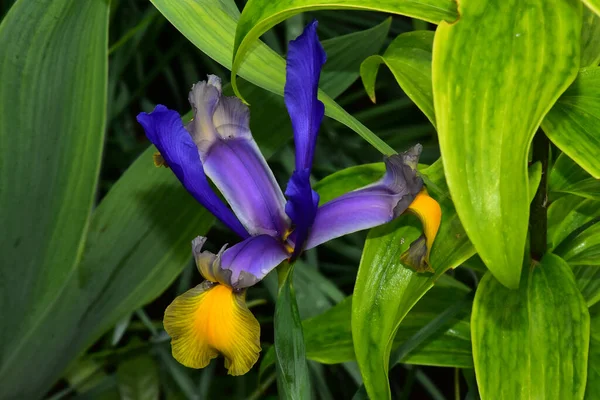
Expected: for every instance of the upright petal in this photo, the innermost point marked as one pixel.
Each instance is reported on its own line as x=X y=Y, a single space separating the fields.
x=165 y=130
x=233 y=161
x=372 y=205
x=301 y=207
x=209 y=320
x=305 y=59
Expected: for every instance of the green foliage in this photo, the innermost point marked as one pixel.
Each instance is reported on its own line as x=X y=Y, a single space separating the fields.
x=87 y=244
x=538 y=335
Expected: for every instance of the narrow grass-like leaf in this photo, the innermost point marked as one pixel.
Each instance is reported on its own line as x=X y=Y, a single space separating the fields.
x=584 y=248
x=568 y=214
x=588 y=282
x=260 y=16
x=491 y=90
x=53 y=107
x=568 y=177
x=590 y=39
x=344 y=55
x=409 y=59
x=293 y=379
x=539 y=333
x=574 y=121
x=210 y=25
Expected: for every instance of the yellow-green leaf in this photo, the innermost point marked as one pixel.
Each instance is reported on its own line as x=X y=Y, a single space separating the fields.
x=590 y=39
x=531 y=343
x=492 y=86
x=593 y=5
x=573 y=124
x=259 y=16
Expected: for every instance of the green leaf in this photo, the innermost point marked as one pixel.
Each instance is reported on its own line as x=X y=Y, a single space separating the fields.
x=328 y=336
x=53 y=106
x=538 y=334
x=588 y=282
x=344 y=55
x=491 y=91
x=584 y=248
x=593 y=5
x=568 y=177
x=137 y=379
x=293 y=380
x=568 y=214
x=592 y=391
x=409 y=59
x=210 y=25
x=260 y=16
x=574 y=121
x=590 y=39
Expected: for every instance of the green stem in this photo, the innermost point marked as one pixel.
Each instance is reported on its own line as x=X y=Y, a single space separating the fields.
x=538 y=215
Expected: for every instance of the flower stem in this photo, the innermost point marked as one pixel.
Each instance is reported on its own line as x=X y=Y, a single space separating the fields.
x=538 y=212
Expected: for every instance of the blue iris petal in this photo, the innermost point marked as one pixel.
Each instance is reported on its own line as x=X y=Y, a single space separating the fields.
x=165 y=130
x=305 y=59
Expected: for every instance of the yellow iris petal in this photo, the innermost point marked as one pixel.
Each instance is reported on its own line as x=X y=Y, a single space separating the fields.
x=209 y=320
x=429 y=212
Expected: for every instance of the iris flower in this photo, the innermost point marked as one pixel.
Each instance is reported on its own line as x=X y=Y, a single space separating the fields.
x=212 y=318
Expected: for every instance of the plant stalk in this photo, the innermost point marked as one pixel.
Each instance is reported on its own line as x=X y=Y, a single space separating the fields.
x=538 y=212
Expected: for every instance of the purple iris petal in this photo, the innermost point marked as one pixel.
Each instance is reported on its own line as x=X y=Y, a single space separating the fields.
x=372 y=205
x=301 y=207
x=252 y=259
x=233 y=161
x=165 y=130
x=305 y=59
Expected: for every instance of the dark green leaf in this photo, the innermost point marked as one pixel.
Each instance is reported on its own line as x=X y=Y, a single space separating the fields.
x=293 y=379
x=588 y=282
x=344 y=55
x=137 y=379
x=533 y=342
x=590 y=39
x=592 y=391
x=569 y=214
x=584 y=248
x=53 y=106
x=484 y=127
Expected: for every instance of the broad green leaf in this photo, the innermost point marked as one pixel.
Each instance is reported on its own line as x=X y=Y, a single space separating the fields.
x=568 y=214
x=344 y=55
x=590 y=39
x=210 y=25
x=293 y=379
x=568 y=177
x=592 y=391
x=533 y=342
x=491 y=90
x=588 y=282
x=137 y=379
x=573 y=124
x=409 y=59
x=259 y=16
x=593 y=5
x=53 y=107
x=584 y=248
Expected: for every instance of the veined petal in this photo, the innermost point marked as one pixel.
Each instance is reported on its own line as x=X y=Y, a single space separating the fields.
x=243 y=264
x=165 y=130
x=209 y=320
x=301 y=207
x=305 y=59
x=372 y=205
x=233 y=161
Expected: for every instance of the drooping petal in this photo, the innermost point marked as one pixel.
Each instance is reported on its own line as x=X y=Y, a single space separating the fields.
x=372 y=205
x=166 y=131
x=233 y=161
x=209 y=320
x=243 y=264
x=305 y=59
x=301 y=207
x=430 y=213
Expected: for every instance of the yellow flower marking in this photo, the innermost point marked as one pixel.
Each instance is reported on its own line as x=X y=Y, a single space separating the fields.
x=159 y=160
x=209 y=320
